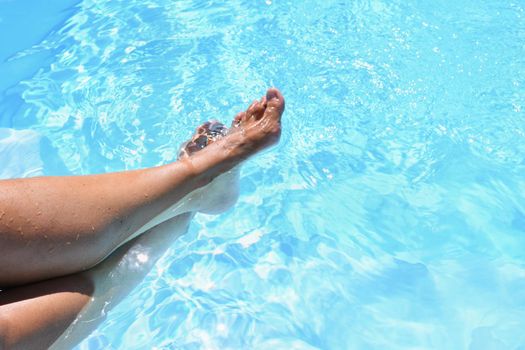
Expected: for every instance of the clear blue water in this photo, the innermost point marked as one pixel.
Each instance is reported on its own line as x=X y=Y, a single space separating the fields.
x=391 y=215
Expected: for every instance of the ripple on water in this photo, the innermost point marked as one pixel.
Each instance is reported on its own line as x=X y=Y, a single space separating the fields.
x=391 y=215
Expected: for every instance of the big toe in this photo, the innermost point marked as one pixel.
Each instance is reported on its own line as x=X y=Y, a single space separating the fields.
x=275 y=102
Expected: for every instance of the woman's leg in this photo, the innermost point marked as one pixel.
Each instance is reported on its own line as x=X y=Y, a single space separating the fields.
x=54 y=226
x=119 y=274
x=36 y=315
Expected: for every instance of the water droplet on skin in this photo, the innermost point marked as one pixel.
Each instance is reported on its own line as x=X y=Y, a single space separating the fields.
x=68 y=243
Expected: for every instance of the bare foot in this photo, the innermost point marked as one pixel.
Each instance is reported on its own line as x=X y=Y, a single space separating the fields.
x=260 y=124
x=214 y=151
x=256 y=128
x=252 y=130
x=223 y=191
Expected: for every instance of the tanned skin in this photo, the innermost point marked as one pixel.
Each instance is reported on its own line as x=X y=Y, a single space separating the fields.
x=54 y=228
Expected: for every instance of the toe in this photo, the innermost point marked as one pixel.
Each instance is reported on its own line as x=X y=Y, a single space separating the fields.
x=217 y=130
x=190 y=147
x=193 y=147
x=238 y=118
x=263 y=101
x=255 y=111
x=275 y=101
x=201 y=141
x=202 y=129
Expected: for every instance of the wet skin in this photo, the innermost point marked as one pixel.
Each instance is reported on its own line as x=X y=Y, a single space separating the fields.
x=59 y=226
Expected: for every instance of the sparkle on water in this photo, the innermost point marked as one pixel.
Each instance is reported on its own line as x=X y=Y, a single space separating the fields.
x=390 y=216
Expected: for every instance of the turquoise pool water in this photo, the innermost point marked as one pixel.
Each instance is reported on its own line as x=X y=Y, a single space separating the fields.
x=390 y=216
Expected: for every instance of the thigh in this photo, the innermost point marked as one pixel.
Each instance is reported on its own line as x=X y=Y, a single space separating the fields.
x=35 y=315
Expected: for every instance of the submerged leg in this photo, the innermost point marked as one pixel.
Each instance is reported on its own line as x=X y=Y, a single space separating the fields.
x=34 y=316
x=54 y=226
x=61 y=312
x=119 y=274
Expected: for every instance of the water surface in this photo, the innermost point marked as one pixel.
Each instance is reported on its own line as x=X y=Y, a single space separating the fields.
x=391 y=215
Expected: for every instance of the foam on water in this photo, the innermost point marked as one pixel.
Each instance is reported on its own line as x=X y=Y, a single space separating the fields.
x=392 y=213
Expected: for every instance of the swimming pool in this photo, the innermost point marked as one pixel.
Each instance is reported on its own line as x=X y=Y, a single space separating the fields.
x=390 y=216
